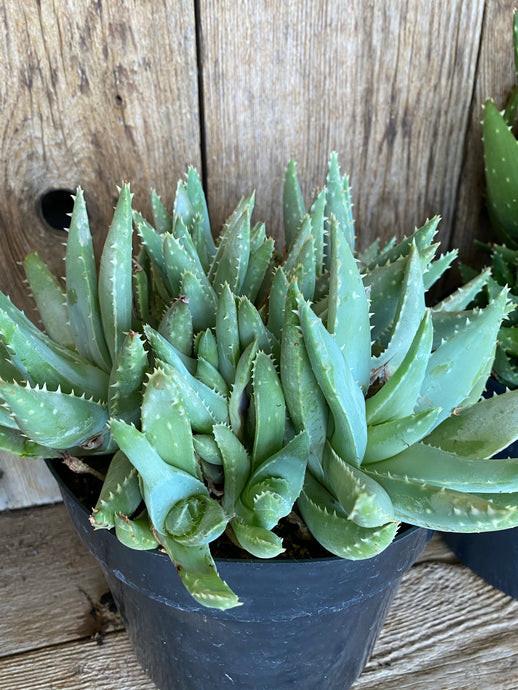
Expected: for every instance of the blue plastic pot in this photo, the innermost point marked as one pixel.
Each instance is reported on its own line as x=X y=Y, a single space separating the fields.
x=303 y=624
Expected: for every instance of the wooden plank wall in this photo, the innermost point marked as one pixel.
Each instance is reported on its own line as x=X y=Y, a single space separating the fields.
x=95 y=92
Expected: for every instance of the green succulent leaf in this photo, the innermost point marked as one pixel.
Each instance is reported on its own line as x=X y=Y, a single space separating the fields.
x=161 y=218
x=251 y=327
x=227 y=334
x=182 y=204
x=304 y=399
x=458 y=370
x=14 y=441
x=81 y=289
x=270 y=409
x=176 y=325
x=409 y=314
x=438 y=267
x=328 y=522
x=232 y=261
x=199 y=574
x=433 y=466
x=45 y=361
x=258 y=266
x=239 y=399
x=501 y=167
x=422 y=238
x=398 y=396
x=135 y=534
x=445 y=509
x=52 y=418
x=317 y=216
x=348 y=307
x=343 y=395
x=363 y=499
x=127 y=379
x=275 y=484
x=338 y=200
x=178 y=503
x=115 y=275
x=236 y=465
x=463 y=296
x=277 y=302
x=480 y=430
x=51 y=300
x=258 y=541
x=199 y=205
x=210 y=376
x=293 y=206
x=392 y=437
x=170 y=434
x=120 y=493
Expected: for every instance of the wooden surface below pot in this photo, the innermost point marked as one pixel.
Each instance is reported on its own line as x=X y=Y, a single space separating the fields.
x=447 y=629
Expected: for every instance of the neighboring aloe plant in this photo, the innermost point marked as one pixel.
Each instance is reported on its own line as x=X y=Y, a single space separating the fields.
x=501 y=173
x=233 y=387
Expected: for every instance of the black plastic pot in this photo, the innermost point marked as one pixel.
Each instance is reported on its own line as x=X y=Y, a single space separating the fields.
x=303 y=624
x=493 y=556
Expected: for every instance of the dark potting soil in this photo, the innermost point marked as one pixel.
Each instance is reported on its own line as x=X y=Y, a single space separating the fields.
x=297 y=540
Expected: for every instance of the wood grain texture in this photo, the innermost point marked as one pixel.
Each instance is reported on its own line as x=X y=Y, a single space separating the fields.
x=51 y=587
x=386 y=84
x=446 y=628
x=495 y=77
x=79 y=665
x=25 y=482
x=92 y=93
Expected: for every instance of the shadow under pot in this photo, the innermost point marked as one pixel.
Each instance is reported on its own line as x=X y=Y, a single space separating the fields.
x=493 y=556
x=303 y=624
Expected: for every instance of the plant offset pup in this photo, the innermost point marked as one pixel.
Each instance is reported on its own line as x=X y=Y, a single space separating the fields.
x=233 y=387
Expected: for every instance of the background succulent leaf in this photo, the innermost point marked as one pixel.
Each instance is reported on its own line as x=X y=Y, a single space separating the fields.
x=293 y=206
x=501 y=168
x=398 y=395
x=50 y=298
x=82 y=288
x=115 y=274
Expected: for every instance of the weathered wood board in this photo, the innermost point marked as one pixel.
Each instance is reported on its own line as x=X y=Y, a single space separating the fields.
x=386 y=84
x=25 y=482
x=92 y=93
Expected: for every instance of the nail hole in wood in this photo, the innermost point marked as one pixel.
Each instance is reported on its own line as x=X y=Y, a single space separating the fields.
x=54 y=207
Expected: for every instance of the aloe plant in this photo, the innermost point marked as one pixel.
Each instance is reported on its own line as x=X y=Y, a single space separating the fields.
x=501 y=174
x=234 y=387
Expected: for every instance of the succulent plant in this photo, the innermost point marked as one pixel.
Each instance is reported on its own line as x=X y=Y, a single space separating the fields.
x=235 y=387
x=501 y=173
x=501 y=160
